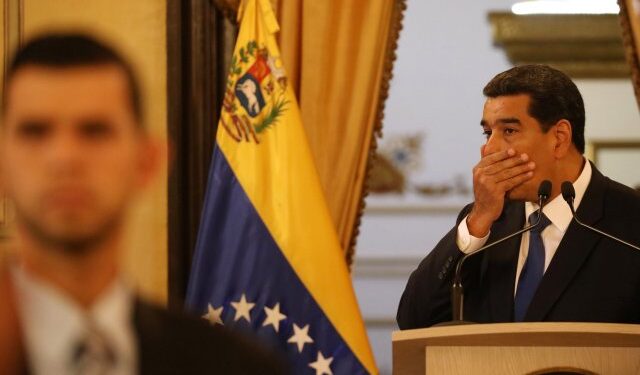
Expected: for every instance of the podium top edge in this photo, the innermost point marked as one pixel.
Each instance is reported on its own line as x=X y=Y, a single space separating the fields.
x=525 y=329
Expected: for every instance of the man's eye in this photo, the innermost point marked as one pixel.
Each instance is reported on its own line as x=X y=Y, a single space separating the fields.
x=96 y=129
x=33 y=130
x=509 y=131
x=487 y=134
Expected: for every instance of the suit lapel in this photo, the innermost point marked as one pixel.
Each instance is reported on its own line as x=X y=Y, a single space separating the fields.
x=575 y=247
x=148 y=327
x=502 y=262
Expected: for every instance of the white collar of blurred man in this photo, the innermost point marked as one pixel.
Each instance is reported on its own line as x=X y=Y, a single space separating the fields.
x=73 y=155
x=55 y=326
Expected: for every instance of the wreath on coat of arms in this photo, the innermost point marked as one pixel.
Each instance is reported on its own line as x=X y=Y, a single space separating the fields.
x=254 y=98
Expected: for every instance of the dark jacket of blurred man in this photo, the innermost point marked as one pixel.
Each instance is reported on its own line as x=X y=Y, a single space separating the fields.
x=73 y=155
x=533 y=120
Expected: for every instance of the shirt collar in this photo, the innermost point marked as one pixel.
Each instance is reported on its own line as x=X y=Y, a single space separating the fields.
x=53 y=323
x=112 y=314
x=557 y=210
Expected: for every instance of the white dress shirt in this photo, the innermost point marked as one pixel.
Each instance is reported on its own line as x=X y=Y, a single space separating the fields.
x=53 y=325
x=556 y=210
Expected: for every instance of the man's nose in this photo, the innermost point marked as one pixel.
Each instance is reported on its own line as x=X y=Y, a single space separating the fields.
x=494 y=144
x=64 y=152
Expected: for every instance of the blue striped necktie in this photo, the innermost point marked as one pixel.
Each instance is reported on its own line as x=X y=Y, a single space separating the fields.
x=533 y=268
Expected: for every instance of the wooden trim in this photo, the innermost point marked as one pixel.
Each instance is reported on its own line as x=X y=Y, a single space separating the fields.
x=199 y=38
x=13 y=35
x=228 y=7
x=629 y=42
x=505 y=348
x=597 y=146
x=581 y=45
x=527 y=334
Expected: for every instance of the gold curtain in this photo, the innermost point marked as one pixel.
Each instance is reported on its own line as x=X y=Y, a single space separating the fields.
x=339 y=56
x=630 y=22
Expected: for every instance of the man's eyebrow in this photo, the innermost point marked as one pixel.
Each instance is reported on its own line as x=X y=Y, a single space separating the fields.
x=503 y=121
x=510 y=121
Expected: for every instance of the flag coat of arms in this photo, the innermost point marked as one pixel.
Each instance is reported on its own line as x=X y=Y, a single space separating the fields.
x=267 y=257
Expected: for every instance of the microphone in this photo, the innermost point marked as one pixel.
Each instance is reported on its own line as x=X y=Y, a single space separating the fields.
x=569 y=194
x=457 y=291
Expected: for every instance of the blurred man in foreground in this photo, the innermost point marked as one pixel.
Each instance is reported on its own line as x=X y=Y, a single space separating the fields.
x=73 y=155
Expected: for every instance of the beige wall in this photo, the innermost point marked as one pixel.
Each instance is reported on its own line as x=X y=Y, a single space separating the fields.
x=138 y=29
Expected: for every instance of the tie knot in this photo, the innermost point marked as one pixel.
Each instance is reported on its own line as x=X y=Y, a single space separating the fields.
x=92 y=354
x=544 y=222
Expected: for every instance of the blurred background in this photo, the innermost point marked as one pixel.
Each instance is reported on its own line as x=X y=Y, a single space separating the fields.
x=447 y=52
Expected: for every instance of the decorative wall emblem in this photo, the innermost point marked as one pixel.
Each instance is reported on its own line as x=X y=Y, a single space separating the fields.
x=399 y=159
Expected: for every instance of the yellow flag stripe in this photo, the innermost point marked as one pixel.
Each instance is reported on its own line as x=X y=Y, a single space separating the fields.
x=279 y=177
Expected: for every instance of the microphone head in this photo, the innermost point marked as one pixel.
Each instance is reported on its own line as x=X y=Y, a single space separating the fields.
x=568 y=192
x=544 y=191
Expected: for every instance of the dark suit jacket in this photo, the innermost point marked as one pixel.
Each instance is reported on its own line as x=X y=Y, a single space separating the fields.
x=589 y=279
x=170 y=343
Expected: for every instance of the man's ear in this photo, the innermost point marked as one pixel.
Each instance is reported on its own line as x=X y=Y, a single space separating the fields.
x=562 y=133
x=153 y=156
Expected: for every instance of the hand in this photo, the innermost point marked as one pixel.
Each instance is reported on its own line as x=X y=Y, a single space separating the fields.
x=493 y=177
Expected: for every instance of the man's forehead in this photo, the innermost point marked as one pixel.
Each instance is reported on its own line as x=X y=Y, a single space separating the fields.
x=35 y=87
x=41 y=75
x=508 y=100
x=505 y=109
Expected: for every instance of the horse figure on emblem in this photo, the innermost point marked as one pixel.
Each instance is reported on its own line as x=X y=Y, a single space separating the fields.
x=255 y=97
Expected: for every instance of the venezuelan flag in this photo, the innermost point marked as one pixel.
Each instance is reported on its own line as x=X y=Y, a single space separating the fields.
x=267 y=256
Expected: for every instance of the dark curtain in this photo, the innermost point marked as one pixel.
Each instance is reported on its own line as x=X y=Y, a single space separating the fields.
x=200 y=41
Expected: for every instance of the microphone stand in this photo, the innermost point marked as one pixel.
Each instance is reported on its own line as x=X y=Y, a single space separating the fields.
x=457 y=291
x=569 y=194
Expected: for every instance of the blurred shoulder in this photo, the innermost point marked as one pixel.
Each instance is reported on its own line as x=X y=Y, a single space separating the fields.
x=171 y=342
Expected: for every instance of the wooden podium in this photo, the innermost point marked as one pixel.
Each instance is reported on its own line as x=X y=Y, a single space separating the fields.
x=518 y=348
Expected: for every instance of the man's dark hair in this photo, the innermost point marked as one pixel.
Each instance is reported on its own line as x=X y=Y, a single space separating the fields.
x=70 y=51
x=553 y=96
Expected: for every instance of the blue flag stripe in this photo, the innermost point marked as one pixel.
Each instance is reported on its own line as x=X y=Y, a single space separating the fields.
x=236 y=255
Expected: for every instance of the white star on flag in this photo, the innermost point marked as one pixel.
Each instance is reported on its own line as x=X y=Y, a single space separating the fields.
x=213 y=315
x=242 y=309
x=300 y=336
x=321 y=365
x=273 y=316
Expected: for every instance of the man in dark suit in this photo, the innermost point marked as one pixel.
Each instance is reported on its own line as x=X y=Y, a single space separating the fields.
x=533 y=120
x=73 y=154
